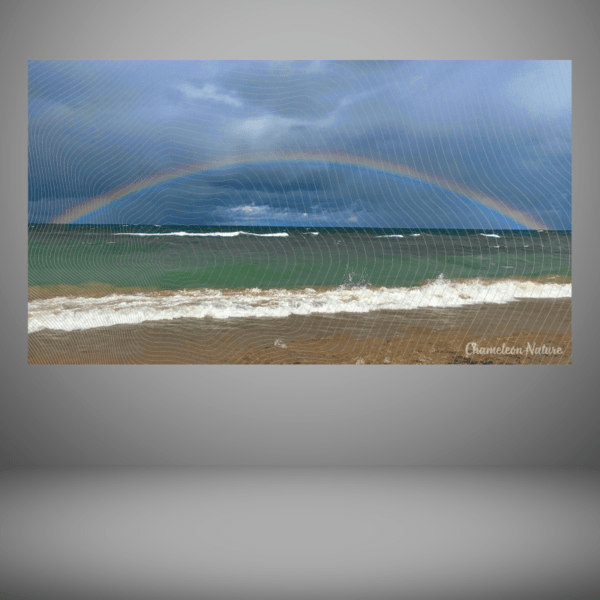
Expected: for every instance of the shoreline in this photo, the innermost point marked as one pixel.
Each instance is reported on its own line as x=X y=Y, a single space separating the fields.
x=96 y=289
x=415 y=336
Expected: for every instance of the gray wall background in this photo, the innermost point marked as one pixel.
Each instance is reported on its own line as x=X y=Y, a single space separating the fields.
x=290 y=416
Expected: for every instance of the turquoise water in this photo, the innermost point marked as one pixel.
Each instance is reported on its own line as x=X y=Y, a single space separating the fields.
x=118 y=255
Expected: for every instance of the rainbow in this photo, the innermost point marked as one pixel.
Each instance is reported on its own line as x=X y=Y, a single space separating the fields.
x=89 y=206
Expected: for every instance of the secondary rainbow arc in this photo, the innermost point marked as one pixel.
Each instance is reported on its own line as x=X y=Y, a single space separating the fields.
x=89 y=206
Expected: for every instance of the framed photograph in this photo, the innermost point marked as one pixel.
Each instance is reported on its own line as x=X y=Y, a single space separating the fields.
x=299 y=212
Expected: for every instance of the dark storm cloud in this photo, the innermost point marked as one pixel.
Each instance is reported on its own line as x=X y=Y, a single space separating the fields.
x=501 y=128
x=275 y=179
x=269 y=186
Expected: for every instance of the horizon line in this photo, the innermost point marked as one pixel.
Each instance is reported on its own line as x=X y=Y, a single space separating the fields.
x=74 y=224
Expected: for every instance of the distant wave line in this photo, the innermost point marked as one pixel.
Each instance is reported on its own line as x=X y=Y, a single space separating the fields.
x=211 y=234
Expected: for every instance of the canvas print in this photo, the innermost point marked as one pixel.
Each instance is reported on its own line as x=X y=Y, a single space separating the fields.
x=299 y=212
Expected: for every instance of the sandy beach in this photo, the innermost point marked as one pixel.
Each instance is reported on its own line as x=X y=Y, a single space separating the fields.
x=522 y=332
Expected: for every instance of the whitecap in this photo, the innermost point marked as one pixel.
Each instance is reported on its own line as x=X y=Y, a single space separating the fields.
x=209 y=234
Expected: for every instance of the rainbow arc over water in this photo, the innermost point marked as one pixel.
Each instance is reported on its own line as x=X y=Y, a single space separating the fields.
x=290 y=159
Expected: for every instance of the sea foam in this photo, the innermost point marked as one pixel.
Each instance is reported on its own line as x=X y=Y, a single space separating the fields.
x=70 y=314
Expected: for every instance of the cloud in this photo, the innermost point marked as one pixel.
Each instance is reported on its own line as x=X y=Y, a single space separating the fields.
x=209 y=92
x=251 y=210
x=268 y=131
x=270 y=215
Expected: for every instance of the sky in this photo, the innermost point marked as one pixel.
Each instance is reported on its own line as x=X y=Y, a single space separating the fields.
x=499 y=128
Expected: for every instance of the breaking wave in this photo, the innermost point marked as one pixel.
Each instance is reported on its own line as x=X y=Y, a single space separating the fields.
x=70 y=314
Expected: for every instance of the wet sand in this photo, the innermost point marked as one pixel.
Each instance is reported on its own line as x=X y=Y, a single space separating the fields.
x=423 y=336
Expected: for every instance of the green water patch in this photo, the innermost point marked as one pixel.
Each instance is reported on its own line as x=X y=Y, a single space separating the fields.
x=78 y=257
